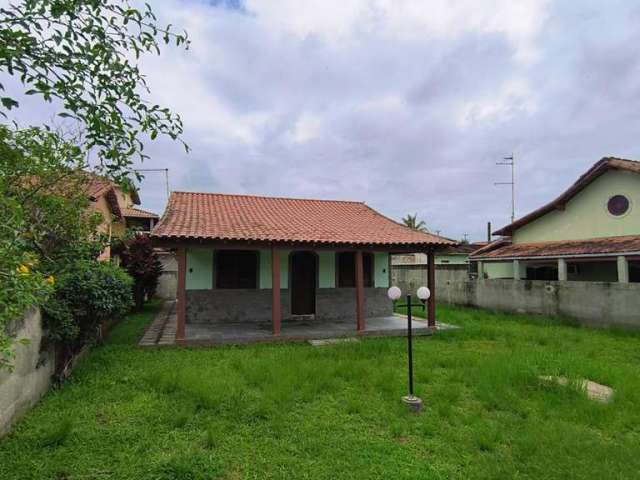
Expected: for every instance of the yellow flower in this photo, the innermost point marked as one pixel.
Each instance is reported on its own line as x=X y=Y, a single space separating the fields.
x=23 y=270
x=50 y=280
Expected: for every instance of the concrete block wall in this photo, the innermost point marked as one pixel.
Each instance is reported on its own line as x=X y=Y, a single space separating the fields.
x=596 y=304
x=254 y=305
x=168 y=282
x=21 y=389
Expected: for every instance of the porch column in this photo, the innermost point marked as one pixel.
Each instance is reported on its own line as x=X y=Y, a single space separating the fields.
x=360 y=320
x=431 y=285
x=562 y=270
x=623 y=269
x=181 y=300
x=516 y=269
x=276 y=310
x=480 y=270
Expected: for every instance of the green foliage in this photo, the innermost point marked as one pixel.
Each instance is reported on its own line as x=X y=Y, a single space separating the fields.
x=83 y=55
x=43 y=220
x=88 y=293
x=412 y=222
x=143 y=264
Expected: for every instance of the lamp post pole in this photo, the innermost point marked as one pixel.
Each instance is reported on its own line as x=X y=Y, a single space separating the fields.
x=410 y=345
x=394 y=293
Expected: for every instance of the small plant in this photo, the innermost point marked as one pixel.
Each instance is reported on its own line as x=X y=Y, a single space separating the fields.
x=57 y=434
x=211 y=437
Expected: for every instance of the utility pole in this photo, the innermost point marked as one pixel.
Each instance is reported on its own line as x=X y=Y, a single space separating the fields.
x=511 y=162
x=166 y=175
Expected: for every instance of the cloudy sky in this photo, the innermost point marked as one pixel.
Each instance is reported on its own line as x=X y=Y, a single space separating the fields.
x=405 y=105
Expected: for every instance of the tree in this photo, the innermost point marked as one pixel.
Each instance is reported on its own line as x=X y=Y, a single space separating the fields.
x=412 y=222
x=45 y=223
x=143 y=264
x=84 y=54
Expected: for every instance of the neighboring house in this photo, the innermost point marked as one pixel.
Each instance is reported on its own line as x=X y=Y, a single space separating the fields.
x=328 y=260
x=118 y=210
x=453 y=255
x=591 y=232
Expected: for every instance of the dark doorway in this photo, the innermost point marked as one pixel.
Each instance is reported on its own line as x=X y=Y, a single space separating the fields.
x=303 y=283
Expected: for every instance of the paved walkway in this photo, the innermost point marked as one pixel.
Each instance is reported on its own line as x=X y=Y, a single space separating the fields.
x=162 y=330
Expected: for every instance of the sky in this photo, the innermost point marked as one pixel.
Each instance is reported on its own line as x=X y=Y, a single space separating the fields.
x=406 y=105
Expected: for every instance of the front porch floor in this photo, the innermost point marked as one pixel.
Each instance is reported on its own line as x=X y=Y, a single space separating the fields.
x=161 y=332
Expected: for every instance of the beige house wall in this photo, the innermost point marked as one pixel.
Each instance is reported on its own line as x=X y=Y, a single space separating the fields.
x=586 y=215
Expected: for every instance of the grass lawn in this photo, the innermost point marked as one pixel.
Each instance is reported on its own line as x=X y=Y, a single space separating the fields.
x=295 y=411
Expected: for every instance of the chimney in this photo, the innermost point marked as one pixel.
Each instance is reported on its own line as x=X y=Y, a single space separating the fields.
x=488 y=231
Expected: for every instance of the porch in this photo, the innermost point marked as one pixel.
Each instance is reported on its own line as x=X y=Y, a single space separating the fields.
x=162 y=330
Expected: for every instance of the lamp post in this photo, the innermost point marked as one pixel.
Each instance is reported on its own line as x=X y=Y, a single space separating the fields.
x=394 y=293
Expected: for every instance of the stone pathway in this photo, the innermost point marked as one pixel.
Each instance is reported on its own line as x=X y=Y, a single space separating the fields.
x=162 y=330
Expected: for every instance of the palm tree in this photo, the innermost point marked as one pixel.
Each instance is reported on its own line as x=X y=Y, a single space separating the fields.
x=413 y=223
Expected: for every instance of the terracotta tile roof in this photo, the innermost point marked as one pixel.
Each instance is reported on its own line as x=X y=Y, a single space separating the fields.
x=595 y=246
x=137 y=213
x=269 y=219
x=600 y=167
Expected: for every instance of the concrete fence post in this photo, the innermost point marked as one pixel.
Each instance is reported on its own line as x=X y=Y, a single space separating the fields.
x=623 y=269
x=562 y=270
x=516 y=269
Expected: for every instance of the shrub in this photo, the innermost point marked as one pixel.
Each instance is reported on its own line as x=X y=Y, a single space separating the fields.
x=143 y=264
x=86 y=295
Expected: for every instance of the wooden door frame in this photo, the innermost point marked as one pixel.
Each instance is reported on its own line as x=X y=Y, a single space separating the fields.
x=316 y=278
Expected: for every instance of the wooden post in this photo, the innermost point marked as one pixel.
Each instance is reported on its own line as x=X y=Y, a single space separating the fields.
x=360 y=320
x=181 y=300
x=276 y=309
x=431 y=285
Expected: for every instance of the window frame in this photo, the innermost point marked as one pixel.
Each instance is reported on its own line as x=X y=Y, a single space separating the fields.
x=217 y=272
x=368 y=264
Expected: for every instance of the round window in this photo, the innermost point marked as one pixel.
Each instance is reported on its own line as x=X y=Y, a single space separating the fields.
x=618 y=205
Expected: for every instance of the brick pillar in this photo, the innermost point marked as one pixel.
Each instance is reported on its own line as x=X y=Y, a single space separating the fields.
x=360 y=320
x=431 y=285
x=276 y=309
x=181 y=305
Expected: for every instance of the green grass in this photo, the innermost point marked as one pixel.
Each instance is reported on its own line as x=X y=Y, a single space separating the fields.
x=294 y=411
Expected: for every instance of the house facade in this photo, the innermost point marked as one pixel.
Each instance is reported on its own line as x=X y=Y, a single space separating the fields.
x=591 y=232
x=118 y=209
x=248 y=259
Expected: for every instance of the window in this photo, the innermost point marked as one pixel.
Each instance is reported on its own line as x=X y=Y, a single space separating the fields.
x=236 y=269
x=347 y=269
x=618 y=205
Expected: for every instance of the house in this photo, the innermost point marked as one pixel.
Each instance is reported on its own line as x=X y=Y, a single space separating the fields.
x=118 y=209
x=591 y=232
x=328 y=261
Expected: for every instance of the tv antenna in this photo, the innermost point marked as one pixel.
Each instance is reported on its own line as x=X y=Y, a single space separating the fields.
x=511 y=162
x=166 y=175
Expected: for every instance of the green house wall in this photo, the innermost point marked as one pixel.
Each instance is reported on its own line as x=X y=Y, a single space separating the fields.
x=200 y=269
x=586 y=215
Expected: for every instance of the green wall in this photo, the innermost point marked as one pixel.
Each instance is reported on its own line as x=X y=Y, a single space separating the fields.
x=265 y=268
x=199 y=269
x=586 y=215
x=381 y=269
x=327 y=269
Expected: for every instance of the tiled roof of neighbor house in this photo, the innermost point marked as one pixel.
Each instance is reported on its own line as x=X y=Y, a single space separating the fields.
x=270 y=219
x=595 y=246
x=137 y=213
x=98 y=186
x=600 y=167
x=462 y=249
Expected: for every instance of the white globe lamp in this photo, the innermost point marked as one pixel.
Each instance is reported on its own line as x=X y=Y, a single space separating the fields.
x=394 y=293
x=424 y=293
